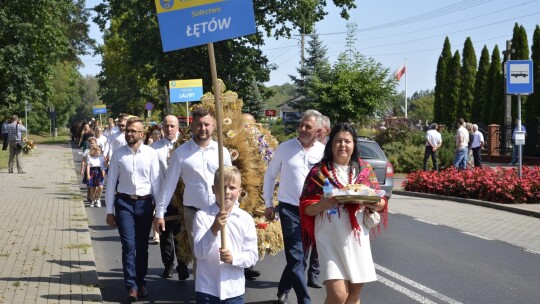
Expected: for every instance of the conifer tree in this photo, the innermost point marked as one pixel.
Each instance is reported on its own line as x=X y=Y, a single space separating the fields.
x=480 y=88
x=315 y=64
x=454 y=84
x=468 y=76
x=532 y=107
x=494 y=104
x=441 y=82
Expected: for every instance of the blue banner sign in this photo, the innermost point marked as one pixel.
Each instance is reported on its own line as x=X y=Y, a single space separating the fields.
x=187 y=23
x=185 y=90
x=519 y=77
x=99 y=109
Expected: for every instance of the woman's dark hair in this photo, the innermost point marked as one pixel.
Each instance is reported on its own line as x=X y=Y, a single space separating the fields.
x=342 y=126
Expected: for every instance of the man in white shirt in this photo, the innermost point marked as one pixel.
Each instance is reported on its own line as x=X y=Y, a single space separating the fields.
x=433 y=142
x=196 y=163
x=291 y=162
x=477 y=144
x=167 y=240
x=462 y=145
x=134 y=169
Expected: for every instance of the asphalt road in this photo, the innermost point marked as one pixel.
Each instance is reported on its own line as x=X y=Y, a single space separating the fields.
x=417 y=262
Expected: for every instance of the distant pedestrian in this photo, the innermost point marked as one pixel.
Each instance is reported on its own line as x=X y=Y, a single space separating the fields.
x=433 y=143
x=515 y=148
x=86 y=133
x=477 y=144
x=470 y=161
x=462 y=145
x=95 y=174
x=134 y=169
x=5 y=135
x=15 y=130
x=118 y=139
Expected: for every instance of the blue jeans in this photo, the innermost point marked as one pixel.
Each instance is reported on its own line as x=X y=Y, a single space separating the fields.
x=515 y=154
x=460 y=161
x=204 y=298
x=134 y=221
x=293 y=274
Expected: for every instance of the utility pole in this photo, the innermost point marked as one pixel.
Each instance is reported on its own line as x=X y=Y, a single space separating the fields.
x=302 y=46
x=507 y=135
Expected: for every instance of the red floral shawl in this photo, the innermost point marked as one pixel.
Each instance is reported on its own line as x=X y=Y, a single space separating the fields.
x=312 y=193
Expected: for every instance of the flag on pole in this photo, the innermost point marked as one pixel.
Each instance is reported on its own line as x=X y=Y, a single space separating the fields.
x=400 y=72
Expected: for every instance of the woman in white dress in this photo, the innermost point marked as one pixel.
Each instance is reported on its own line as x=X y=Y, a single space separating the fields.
x=338 y=228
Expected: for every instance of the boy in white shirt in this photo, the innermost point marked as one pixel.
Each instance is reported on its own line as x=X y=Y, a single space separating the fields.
x=220 y=272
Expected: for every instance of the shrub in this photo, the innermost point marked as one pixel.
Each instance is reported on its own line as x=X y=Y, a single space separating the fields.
x=488 y=184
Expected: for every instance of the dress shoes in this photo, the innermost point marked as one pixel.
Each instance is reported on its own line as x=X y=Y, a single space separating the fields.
x=314 y=283
x=251 y=273
x=183 y=273
x=168 y=272
x=143 y=292
x=132 y=295
x=282 y=298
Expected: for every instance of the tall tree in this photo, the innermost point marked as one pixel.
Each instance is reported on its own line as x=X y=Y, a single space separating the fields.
x=441 y=82
x=468 y=77
x=532 y=107
x=520 y=46
x=253 y=101
x=35 y=36
x=353 y=90
x=314 y=66
x=454 y=84
x=480 y=88
x=494 y=104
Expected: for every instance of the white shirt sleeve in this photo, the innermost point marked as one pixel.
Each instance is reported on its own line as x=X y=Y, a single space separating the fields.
x=169 y=186
x=270 y=177
x=112 y=179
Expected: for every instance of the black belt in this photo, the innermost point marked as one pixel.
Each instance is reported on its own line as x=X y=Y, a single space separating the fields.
x=133 y=197
x=192 y=208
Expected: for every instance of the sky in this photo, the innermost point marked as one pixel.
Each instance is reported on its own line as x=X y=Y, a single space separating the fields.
x=394 y=31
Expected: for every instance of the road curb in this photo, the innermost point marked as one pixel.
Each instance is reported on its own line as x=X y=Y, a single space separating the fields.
x=492 y=205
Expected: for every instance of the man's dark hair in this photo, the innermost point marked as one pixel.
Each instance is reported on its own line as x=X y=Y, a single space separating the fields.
x=201 y=112
x=133 y=120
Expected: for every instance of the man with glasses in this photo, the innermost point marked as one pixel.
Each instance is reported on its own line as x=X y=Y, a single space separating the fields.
x=167 y=238
x=134 y=169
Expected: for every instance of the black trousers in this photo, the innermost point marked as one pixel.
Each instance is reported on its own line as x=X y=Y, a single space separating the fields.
x=477 y=157
x=427 y=153
x=5 y=138
x=168 y=244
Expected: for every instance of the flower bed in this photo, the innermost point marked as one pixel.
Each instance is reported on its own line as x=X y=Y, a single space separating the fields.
x=497 y=185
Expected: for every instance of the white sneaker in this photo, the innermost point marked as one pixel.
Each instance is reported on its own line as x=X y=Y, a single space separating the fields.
x=98 y=203
x=92 y=204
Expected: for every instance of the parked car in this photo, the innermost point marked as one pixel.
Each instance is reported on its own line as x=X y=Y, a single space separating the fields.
x=371 y=152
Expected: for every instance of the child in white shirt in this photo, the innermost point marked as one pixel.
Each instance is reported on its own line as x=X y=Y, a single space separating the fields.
x=95 y=173
x=220 y=271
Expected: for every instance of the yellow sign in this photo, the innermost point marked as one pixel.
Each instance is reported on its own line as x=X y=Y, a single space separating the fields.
x=164 y=6
x=177 y=84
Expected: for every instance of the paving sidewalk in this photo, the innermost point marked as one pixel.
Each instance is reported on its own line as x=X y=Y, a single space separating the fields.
x=46 y=254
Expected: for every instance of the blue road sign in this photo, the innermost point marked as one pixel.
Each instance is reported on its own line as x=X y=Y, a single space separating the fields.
x=99 y=109
x=519 y=77
x=185 y=24
x=185 y=90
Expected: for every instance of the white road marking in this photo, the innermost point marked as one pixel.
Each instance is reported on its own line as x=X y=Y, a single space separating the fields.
x=531 y=251
x=477 y=235
x=409 y=293
x=417 y=285
x=427 y=222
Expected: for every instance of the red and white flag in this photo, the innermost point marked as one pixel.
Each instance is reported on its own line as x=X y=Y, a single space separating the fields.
x=399 y=72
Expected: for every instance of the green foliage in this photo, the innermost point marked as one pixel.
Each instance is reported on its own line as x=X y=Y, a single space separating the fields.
x=253 y=101
x=441 y=84
x=494 y=104
x=421 y=106
x=35 y=36
x=468 y=76
x=532 y=107
x=480 y=88
x=454 y=84
x=404 y=157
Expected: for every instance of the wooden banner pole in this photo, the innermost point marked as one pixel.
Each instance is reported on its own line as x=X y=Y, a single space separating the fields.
x=217 y=93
